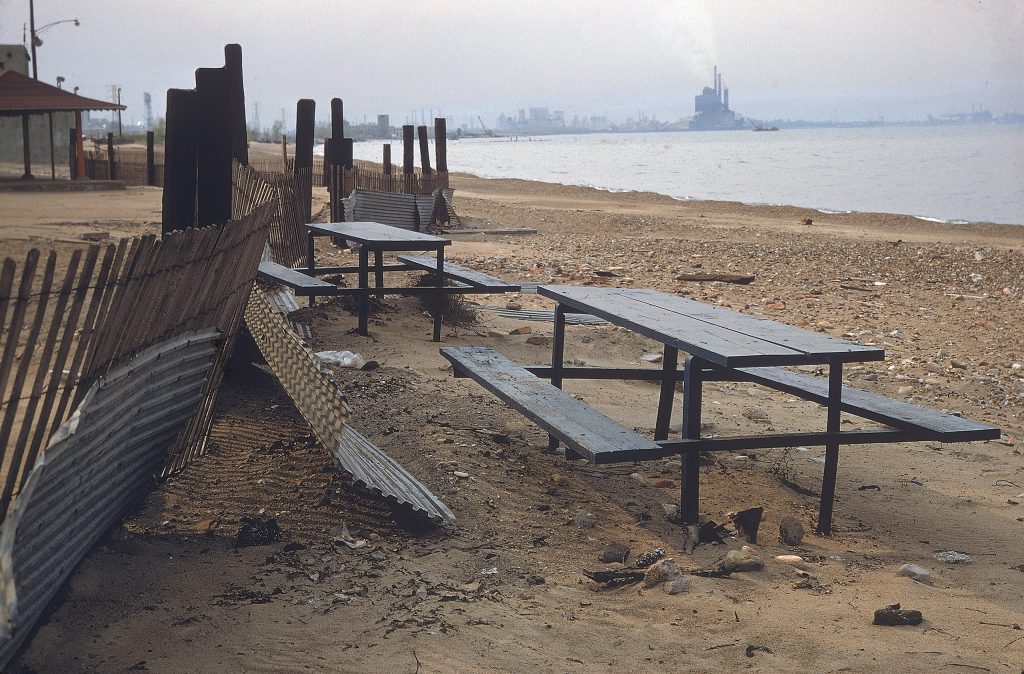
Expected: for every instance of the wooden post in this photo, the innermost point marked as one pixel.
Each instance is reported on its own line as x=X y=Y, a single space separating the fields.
x=213 y=169
x=180 y=154
x=236 y=104
x=327 y=162
x=424 y=150
x=79 y=150
x=111 y=164
x=72 y=154
x=305 y=120
x=441 y=144
x=387 y=159
x=407 y=149
x=150 y=159
x=337 y=131
x=26 y=147
x=284 y=153
x=53 y=159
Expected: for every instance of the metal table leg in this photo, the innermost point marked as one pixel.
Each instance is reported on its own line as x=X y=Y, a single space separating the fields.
x=439 y=296
x=557 y=358
x=828 y=481
x=670 y=363
x=378 y=264
x=692 y=394
x=364 y=297
x=310 y=260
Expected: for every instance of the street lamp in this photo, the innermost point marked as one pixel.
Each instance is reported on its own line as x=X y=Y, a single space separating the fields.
x=36 y=32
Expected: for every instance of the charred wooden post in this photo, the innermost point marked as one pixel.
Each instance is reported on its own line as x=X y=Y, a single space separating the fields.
x=213 y=187
x=236 y=109
x=337 y=130
x=305 y=120
x=284 y=153
x=424 y=149
x=408 y=179
x=180 y=160
x=441 y=144
x=150 y=158
x=79 y=150
x=345 y=170
x=111 y=164
x=387 y=159
x=327 y=163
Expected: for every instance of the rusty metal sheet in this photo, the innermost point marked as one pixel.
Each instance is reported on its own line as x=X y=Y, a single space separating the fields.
x=98 y=462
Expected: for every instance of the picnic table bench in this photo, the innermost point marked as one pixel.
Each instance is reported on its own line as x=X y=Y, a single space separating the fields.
x=720 y=345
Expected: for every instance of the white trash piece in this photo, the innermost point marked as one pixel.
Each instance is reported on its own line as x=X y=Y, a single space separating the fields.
x=342 y=358
x=915 y=572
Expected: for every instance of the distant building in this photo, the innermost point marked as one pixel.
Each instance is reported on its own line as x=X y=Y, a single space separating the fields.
x=383 y=126
x=711 y=108
x=14 y=57
x=539 y=118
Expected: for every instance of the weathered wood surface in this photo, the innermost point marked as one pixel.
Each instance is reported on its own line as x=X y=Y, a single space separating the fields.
x=375 y=234
x=457 y=272
x=717 y=335
x=581 y=427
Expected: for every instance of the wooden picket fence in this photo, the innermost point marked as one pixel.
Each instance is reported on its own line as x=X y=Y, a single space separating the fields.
x=63 y=325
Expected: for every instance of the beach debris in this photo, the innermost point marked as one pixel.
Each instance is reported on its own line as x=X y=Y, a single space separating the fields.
x=639 y=478
x=538 y=340
x=744 y=559
x=95 y=236
x=585 y=521
x=713 y=532
x=748 y=521
x=534 y=579
x=257 y=531
x=492 y=571
x=867 y=487
x=340 y=534
x=663 y=483
x=652 y=357
x=755 y=414
x=792 y=560
x=665 y=573
x=647 y=558
x=807 y=221
x=953 y=557
x=672 y=512
x=521 y=330
x=616 y=577
x=461 y=474
x=342 y=359
x=791 y=532
x=614 y=552
x=893 y=615
x=809 y=581
x=754 y=648
x=915 y=572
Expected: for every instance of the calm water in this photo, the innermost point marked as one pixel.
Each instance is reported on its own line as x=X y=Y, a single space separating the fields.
x=969 y=173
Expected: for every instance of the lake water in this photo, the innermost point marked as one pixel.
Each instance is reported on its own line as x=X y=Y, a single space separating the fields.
x=949 y=173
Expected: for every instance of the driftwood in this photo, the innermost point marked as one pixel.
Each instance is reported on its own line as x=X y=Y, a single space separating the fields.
x=726 y=278
x=616 y=577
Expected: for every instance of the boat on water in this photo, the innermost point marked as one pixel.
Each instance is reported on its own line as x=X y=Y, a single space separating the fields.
x=762 y=127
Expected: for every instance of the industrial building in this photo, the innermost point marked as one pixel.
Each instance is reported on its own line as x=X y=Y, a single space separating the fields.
x=711 y=108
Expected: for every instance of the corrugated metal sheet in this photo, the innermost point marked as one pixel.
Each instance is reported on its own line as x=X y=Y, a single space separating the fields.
x=283 y=299
x=325 y=407
x=100 y=461
x=397 y=210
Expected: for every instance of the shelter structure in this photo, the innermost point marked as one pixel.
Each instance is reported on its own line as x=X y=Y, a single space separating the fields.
x=23 y=96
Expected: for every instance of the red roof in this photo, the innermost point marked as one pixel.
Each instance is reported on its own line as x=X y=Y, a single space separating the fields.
x=20 y=93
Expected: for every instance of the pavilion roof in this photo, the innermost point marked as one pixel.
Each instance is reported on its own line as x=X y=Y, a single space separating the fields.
x=20 y=93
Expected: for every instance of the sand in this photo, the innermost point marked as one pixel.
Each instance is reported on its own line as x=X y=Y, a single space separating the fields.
x=502 y=589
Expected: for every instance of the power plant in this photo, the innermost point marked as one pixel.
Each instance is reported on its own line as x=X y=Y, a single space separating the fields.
x=711 y=108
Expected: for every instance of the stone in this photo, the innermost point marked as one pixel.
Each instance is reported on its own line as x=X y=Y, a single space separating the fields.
x=744 y=559
x=791 y=532
x=652 y=357
x=915 y=572
x=893 y=615
x=663 y=484
x=614 y=553
x=257 y=531
x=522 y=330
x=792 y=560
x=585 y=521
x=677 y=586
x=460 y=474
x=953 y=557
x=648 y=558
x=538 y=340
x=755 y=414
x=662 y=571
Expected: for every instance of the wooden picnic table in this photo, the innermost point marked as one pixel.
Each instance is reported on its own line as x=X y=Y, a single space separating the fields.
x=379 y=238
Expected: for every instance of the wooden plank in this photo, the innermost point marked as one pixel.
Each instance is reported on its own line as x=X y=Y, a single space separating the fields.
x=459 y=273
x=581 y=427
x=273 y=271
x=717 y=335
x=896 y=413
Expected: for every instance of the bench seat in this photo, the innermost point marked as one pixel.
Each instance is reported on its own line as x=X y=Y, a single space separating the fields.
x=477 y=279
x=582 y=428
x=301 y=283
x=898 y=414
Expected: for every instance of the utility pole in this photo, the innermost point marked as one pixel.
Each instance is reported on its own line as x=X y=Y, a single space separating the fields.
x=119 y=134
x=32 y=36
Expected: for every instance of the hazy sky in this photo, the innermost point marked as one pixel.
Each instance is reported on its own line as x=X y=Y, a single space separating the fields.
x=811 y=59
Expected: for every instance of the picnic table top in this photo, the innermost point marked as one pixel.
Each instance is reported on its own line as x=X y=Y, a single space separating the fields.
x=718 y=335
x=375 y=234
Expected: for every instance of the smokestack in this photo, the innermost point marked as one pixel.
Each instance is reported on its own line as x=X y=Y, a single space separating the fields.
x=719 y=89
x=727 y=99
x=714 y=80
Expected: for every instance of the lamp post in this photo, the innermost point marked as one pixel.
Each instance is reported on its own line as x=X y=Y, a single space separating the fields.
x=119 y=134
x=36 y=32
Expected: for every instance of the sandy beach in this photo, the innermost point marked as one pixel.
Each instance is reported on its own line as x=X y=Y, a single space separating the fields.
x=502 y=588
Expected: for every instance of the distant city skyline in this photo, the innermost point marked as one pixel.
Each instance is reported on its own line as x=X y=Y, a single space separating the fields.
x=796 y=59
